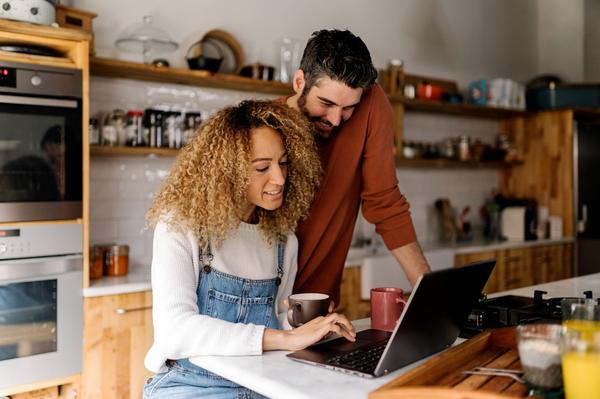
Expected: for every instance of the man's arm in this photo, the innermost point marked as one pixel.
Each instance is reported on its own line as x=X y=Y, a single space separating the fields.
x=412 y=261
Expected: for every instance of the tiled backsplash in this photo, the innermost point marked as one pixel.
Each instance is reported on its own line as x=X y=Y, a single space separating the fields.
x=121 y=188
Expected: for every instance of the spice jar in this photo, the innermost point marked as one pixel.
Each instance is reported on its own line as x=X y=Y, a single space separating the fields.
x=117 y=260
x=464 y=148
x=96 y=262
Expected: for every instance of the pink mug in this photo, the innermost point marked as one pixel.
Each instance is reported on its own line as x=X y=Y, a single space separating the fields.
x=387 y=304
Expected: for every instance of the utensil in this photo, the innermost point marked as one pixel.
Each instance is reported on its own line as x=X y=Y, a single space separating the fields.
x=496 y=374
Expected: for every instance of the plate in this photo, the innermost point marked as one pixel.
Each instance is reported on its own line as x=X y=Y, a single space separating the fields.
x=30 y=49
x=233 y=55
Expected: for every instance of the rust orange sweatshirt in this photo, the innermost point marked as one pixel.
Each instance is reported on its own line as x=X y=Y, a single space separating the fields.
x=359 y=167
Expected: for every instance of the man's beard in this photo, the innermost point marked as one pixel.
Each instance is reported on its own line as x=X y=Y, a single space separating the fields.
x=312 y=119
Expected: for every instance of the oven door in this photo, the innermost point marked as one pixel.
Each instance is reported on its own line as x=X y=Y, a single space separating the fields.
x=41 y=312
x=40 y=158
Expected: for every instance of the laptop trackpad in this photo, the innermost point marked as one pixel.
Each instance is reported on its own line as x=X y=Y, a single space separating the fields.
x=365 y=337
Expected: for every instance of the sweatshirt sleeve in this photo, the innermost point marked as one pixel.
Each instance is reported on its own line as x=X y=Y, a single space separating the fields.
x=179 y=330
x=382 y=202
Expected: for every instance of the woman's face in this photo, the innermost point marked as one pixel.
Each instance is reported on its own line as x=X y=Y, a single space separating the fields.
x=268 y=171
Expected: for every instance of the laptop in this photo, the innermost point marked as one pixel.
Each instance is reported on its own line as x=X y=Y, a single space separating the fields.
x=437 y=309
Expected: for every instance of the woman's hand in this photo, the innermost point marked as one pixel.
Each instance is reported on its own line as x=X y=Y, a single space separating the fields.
x=309 y=333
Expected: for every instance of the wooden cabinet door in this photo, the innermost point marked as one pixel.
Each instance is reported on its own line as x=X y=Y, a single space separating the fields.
x=567 y=261
x=493 y=282
x=117 y=334
x=551 y=262
x=516 y=269
x=541 y=264
x=351 y=304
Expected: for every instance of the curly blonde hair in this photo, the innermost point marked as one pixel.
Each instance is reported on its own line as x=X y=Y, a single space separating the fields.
x=206 y=188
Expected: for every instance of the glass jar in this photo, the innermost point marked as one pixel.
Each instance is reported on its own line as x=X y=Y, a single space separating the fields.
x=117 y=260
x=109 y=136
x=96 y=262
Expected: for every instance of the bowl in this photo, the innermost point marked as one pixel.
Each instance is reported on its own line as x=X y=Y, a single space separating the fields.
x=204 y=63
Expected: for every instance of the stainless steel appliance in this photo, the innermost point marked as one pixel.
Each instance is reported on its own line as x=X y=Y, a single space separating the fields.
x=41 y=307
x=40 y=143
x=587 y=192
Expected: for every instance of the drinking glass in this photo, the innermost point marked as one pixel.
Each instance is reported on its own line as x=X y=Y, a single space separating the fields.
x=581 y=363
x=581 y=348
x=539 y=348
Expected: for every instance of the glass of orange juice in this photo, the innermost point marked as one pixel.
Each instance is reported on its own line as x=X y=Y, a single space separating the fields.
x=581 y=349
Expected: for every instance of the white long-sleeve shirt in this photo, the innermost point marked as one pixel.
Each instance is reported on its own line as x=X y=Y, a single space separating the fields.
x=179 y=330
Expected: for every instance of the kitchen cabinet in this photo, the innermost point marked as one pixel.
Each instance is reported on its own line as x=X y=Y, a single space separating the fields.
x=117 y=334
x=351 y=303
x=521 y=267
x=545 y=140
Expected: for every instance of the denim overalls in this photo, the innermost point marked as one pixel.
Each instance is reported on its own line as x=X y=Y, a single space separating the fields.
x=225 y=297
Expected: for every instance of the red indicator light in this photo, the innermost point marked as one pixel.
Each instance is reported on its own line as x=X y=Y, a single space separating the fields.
x=5 y=72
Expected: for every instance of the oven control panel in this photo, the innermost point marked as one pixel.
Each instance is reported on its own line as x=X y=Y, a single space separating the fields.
x=15 y=250
x=8 y=77
x=27 y=241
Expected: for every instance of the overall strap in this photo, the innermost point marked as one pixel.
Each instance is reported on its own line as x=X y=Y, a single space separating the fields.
x=280 y=253
x=206 y=260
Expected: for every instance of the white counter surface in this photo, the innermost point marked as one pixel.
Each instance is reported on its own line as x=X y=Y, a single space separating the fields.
x=137 y=280
x=276 y=376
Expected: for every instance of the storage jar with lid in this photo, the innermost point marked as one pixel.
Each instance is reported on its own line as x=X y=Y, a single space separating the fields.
x=117 y=260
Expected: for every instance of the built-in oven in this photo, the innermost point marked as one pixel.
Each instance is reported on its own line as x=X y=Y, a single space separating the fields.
x=40 y=143
x=41 y=306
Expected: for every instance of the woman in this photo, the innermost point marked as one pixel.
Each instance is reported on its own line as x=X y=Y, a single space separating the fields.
x=225 y=254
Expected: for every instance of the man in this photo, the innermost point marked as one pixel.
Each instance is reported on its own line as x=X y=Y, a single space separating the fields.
x=335 y=88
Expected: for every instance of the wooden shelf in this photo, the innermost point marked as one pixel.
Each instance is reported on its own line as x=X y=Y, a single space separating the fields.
x=105 y=151
x=133 y=70
x=457 y=109
x=48 y=32
x=454 y=164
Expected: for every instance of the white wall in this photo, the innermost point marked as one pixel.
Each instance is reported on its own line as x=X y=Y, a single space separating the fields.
x=591 y=41
x=561 y=38
x=458 y=39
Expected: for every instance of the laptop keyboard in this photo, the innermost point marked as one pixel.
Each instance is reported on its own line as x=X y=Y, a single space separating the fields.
x=363 y=359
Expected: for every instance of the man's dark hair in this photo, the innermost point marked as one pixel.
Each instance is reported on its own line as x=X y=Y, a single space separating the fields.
x=341 y=56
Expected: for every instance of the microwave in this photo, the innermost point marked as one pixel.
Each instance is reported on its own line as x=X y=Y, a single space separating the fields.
x=41 y=149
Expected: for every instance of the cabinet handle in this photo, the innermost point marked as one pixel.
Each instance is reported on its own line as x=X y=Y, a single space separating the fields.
x=123 y=310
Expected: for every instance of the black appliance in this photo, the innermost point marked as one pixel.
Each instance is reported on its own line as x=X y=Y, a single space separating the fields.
x=586 y=158
x=41 y=151
x=512 y=310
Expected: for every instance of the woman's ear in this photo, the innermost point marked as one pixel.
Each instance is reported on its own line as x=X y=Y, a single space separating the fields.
x=298 y=82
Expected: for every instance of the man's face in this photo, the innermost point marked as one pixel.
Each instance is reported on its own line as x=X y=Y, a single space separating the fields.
x=328 y=104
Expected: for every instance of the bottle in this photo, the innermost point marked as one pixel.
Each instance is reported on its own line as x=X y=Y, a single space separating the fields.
x=464 y=148
x=396 y=72
x=94 y=132
x=134 y=128
x=192 y=122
